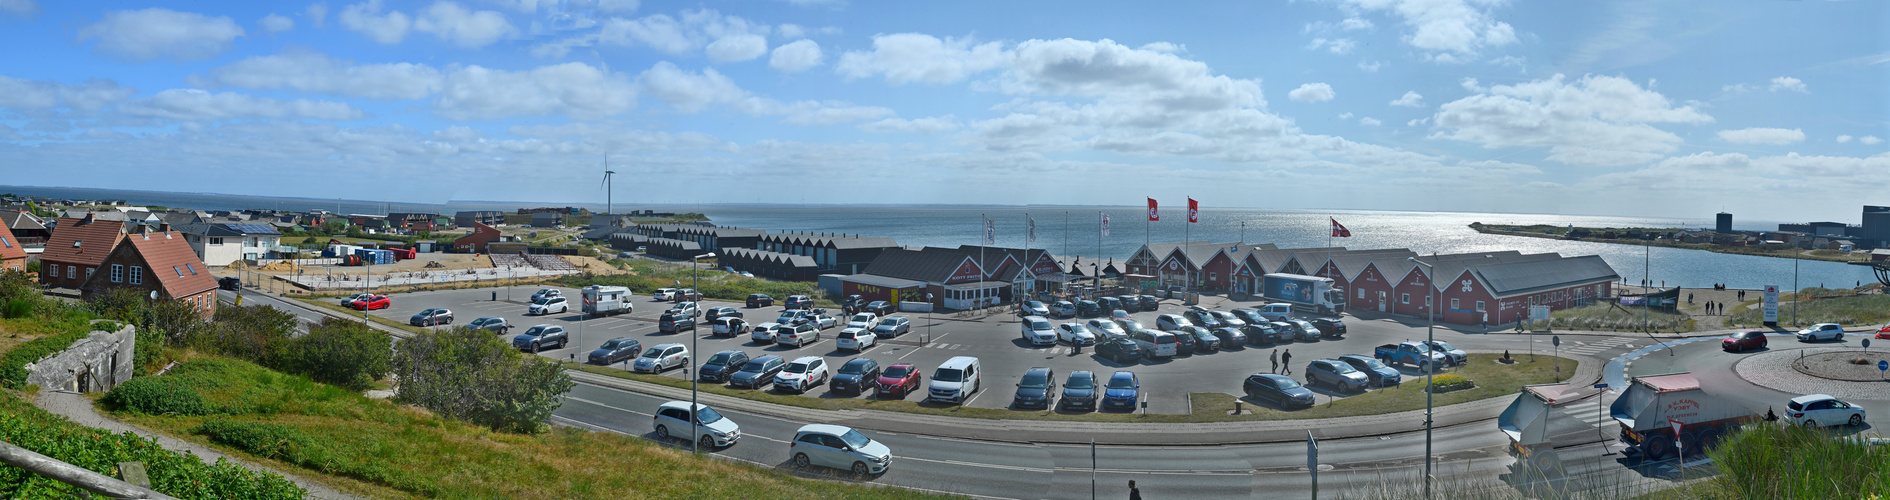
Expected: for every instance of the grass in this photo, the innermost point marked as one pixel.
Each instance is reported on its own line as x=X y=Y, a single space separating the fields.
x=1607 y=316
x=332 y=305
x=383 y=450
x=647 y=275
x=1839 y=306
x=1492 y=380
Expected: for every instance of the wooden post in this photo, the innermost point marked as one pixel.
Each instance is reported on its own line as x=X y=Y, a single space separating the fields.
x=74 y=475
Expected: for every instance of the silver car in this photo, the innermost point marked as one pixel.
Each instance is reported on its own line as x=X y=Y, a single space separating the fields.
x=660 y=358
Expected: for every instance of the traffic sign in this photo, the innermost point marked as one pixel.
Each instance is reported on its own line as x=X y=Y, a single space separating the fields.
x=1601 y=386
x=1883 y=365
x=1555 y=340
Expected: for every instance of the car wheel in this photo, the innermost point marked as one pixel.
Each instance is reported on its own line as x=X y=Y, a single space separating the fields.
x=662 y=433
x=706 y=443
x=1857 y=420
x=1811 y=423
x=859 y=468
x=801 y=461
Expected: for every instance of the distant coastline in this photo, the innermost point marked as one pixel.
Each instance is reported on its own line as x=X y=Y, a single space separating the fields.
x=1561 y=233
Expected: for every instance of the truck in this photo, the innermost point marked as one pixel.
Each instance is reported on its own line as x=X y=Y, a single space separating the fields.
x=602 y=300
x=1306 y=293
x=1650 y=408
x=1526 y=422
x=1409 y=353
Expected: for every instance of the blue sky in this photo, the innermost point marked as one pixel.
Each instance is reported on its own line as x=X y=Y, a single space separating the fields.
x=1620 y=108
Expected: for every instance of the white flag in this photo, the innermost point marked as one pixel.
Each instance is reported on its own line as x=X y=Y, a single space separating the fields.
x=1105 y=225
x=990 y=232
x=1031 y=224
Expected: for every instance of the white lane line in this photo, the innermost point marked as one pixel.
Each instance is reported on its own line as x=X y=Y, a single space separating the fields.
x=587 y=401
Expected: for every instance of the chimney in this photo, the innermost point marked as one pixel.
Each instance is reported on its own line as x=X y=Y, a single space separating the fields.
x=164 y=227
x=87 y=219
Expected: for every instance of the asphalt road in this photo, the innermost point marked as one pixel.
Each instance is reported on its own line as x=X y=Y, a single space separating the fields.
x=1714 y=368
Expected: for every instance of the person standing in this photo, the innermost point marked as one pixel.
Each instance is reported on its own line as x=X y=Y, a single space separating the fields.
x=1134 y=494
x=1275 y=359
x=1286 y=362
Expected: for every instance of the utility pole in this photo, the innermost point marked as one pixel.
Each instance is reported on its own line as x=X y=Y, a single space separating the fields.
x=1430 y=369
x=695 y=348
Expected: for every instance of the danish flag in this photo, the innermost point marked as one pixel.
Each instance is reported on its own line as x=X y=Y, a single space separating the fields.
x=1339 y=231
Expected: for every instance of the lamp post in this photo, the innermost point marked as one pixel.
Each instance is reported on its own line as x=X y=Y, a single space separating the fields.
x=695 y=345
x=1430 y=366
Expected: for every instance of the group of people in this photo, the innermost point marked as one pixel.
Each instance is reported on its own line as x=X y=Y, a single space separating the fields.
x=1281 y=360
x=1714 y=308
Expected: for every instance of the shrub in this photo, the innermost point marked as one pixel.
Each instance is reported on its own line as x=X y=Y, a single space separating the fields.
x=19 y=308
x=181 y=475
x=269 y=441
x=473 y=376
x=156 y=396
x=245 y=332
x=1450 y=382
x=341 y=352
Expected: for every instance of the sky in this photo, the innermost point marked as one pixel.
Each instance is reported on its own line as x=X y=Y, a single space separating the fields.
x=1771 y=109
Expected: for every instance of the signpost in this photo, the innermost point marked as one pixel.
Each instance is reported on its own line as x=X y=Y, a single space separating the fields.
x=1883 y=365
x=1679 y=453
x=1599 y=415
x=1556 y=341
x=1771 y=305
x=1312 y=462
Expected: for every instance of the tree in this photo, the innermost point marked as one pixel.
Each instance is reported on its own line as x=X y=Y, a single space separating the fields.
x=474 y=376
x=247 y=332
x=337 y=351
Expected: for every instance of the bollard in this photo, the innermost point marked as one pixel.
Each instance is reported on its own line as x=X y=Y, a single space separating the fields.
x=1237 y=406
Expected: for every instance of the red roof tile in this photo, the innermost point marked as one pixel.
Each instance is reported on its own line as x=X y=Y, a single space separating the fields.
x=172 y=263
x=10 y=247
x=94 y=241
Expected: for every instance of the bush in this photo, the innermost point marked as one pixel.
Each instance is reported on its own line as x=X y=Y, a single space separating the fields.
x=1772 y=461
x=337 y=351
x=156 y=396
x=269 y=441
x=13 y=363
x=245 y=332
x=1450 y=382
x=19 y=308
x=473 y=376
x=181 y=475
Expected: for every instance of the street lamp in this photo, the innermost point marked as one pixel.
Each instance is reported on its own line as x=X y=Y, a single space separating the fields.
x=695 y=347
x=1430 y=367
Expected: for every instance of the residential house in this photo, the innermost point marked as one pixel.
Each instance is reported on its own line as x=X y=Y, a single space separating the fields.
x=547 y=219
x=219 y=244
x=27 y=227
x=161 y=264
x=12 y=251
x=467 y=218
x=476 y=242
x=78 y=246
x=412 y=221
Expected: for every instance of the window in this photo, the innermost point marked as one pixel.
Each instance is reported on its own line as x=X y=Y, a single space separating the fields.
x=72 y=272
x=1453 y=304
x=1479 y=306
x=1211 y=277
x=118 y=273
x=1404 y=299
x=137 y=275
x=1361 y=293
x=4 y=241
x=192 y=267
x=88 y=272
x=216 y=241
x=1427 y=301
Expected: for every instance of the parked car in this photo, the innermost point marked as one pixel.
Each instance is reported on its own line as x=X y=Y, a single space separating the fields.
x=686 y=309
x=712 y=430
x=1063 y=309
x=1088 y=308
x=1285 y=393
x=721 y=366
x=1038 y=389
x=1122 y=391
x=840 y=448
x=663 y=295
x=685 y=295
x=1075 y=334
x=1822 y=410
x=1119 y=315
x=1128 y=325
x=855 y=339
x=1204 y=339
x=673 y=322
x=802 y=374
x=1149 y=302
x=1252 y=317
x=763 y=333
x=955 y=380
x=899 y=380
x=760 y=300
x=548 y=305
x=1154 y=344
x=230 y=283
x=372 y=302
x=1037 y=331
x=1376 y=371
x=1338 y=374
x=853 y=304
x=538 y=336
x=1130 y=303
x=863 y=321
x=1329 y=327
x=757 y=372
x=1104 y=328
x=349 y=300
x=1277 y=311
x=1202 y=318
x=892 y=327
x=1185 y=342
x=491 y=324
x=1306 y=329
x=1121 y=351
x=796 y=335
x=1033 y=308
x=1884 y=332
x=1826 y=331
x=1452 y=355
x=729 y=327
x=546 y=292
x=615 y=350
x=1231 y=337
x=660 y=358
x=432 y=316
x=1228 y=319
x=1079 y=391
x=799 y=302
x=856 y=376
x=1261 y=334
x=792 y=316
x=720 y=312
x=879 y=307
x=1107 y=305
x=1168 y=322
x=821 y=321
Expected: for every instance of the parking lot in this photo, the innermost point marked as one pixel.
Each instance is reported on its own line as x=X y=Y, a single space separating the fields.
x=995 y=339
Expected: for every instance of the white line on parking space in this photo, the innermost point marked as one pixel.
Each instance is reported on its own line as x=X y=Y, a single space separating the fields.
x=587 y=401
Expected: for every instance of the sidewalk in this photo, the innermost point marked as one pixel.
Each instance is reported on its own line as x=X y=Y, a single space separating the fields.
x=79 y=410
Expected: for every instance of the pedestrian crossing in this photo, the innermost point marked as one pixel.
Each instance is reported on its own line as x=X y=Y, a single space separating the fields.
x=1588 y=412
x=1597 y=347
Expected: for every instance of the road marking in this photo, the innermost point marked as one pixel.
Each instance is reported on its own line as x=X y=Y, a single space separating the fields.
x=587 y=401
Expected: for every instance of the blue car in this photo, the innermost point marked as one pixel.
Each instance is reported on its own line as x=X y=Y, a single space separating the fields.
x=1122 y=392
x=1375 y=370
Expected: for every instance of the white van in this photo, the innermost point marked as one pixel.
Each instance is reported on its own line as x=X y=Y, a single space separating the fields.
x=955 y=380
x=1155 y=344
x=1277 y=311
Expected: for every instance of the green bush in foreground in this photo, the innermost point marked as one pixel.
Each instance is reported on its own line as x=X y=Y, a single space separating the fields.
x=13 y=363
x=156 y=396
x=474 y=376
x=1772 y=461
x=337 y=351
x=176 y=474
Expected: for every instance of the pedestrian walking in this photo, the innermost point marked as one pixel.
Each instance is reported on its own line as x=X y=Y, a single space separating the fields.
x=1134 y=494
x=1689 y=297
x=1275 y=359
x=1286 y=362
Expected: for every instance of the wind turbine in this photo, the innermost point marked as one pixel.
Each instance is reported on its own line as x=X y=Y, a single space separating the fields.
x=607 y=186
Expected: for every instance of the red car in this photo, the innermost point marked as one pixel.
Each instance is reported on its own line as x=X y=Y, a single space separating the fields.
x=1884 y=333
x=1742 y=341
x=899 y=380
x=372 y=303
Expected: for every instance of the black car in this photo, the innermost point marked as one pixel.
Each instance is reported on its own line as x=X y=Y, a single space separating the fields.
x=1204 y=339
x=760 y=300
x=1036 y=390
x=1202 y=318
x=1280 y=390
x=229 y=283
x=1088 y=309
x=1252 y=317
x=616 y=350
x=1185 y=342
x=720 y=312
x=1119 y=350
x=1231 y=337
x=799 y=302
x=1149 y=302
x=1261 y=333
x=1329 y=328
x=722 y=365
x=757 y=372
x=879 y=307
x=1130 y=303
x=856 y=376
x=1108 y=304
x=675 y=323
x=852 y=304
x=1079 y=391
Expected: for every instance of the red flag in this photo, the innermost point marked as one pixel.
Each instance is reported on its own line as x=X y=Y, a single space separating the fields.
x=1194 y=211
x=1339 y=231
x=1152 y=214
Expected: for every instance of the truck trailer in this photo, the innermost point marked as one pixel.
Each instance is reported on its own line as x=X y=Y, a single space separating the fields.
x=1306 y=293
x=1526 y=422
x=602 y=300
x=1651 y=405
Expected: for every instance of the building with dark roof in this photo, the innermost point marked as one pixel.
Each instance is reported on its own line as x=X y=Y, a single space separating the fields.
x=833 y=253
x=763 y=263
x=27 y=227
x=78 y=246
x=12 y=251
x=674 y=249
x=219 y=244
x=161 y=264
x=476 y=242
x=466 y=218
x=955 y=278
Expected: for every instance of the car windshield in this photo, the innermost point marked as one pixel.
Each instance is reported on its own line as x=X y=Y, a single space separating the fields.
x=1039 y=324
x=542 y=300
x=783 y=330
x=897 y=372
x=1374 y=364
x=755 y=366
x=1444 y=346
x=1121 y=383
x=1342 y=368
x=1035 y=380
x=852 y=368
x=948 y=375
x=654 y=352
x=706 y=415
x=535 y=331
x=861 y=318
x=719 y=359
x=1034 y=304
x=1285 y=384
x=854 y=439
x=796 y=368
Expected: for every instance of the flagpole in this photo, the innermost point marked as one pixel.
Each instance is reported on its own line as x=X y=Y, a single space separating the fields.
x=985 y=228
x=1101 y=226
x=1187 y=235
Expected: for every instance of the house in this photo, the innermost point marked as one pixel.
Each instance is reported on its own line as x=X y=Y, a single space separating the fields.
x=782 y=266
x=78 y=246
x=833 y=253
x=27 y=227
x=219 y=244
x=160 y=263
x=412 y=221
x=476 y=242
x=547 y=219
x=467 y=218
x=12 y=251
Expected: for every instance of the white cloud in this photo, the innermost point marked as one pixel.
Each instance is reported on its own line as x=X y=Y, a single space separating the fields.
x=687 y=34
x=618 y=6
x=1446 y=27
x=1164 y=47
x=1737 y=88
x=1470 y=84
x=795 y=56
x=193 y=104
x=1410 y=99
x=274 y=23
x=1370 y=122
x=29 y=94
x=21 y=8
x=1312 y=92
x=1345 y=116
x=1843 y=139
x=690 y=92
x=142 y=35
x=927 y=125
x=737 y=47
x=573 y=89
x=1758 y=135
x=367 y=19
x=1869 y=139
x=1369 y=66
x=813 y=112
x=1353 y=23
x=1597 y=120
x=914 y=57
x=1788 y=83
x=1418 y=122
x=309 y=71
x=317 y=13
x=463 y=27
x=1336 y=46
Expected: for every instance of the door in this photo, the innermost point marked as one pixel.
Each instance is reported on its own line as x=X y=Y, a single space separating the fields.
x=1381 y=301
x=830 y=454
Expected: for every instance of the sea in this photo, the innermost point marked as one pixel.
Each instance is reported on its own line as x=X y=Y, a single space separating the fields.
x=1079 y=231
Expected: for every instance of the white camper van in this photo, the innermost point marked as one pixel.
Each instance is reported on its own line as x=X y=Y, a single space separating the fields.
x=606 y=300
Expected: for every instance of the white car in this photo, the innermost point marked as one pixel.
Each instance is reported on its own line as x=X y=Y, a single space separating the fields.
x=664 y=294
x=823 y=321
x=839 y=447
x=660 y=358
x=1106 y=329
x=1170 y=322
x=763 y=333
x=548 y=305
x=712 y=429
x=1037 y=331
x=1826 y=331
x=546 y=292
x=1075 y=334
x=802 y=374
x=863 y=321
x=855 y=339
x=1822 y=410
x=349 y=301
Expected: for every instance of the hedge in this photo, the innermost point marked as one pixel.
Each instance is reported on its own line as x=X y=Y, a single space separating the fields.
x=180 y=475
x=1450 y=382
